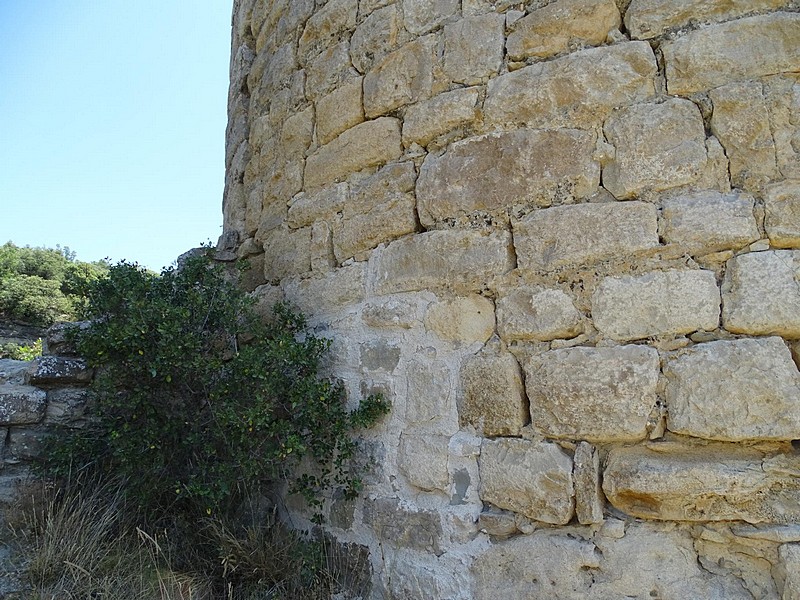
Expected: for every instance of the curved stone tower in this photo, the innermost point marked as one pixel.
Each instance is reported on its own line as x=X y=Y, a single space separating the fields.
x=563 y=237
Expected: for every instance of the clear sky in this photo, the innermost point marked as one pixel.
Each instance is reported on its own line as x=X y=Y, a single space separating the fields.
x=112 y=125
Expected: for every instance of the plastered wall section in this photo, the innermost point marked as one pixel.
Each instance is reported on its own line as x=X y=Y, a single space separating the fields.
x=563 y=238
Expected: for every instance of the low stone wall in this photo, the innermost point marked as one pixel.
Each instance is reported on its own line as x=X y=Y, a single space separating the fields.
x=564 y=239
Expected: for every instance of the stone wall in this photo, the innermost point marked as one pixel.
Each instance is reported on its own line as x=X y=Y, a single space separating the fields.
x=564 y=239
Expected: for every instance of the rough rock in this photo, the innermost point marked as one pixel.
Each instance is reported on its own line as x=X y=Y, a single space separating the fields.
x=473 y=48
x=493 y=400
x=462 y=320
x=339 y=111
x=427 y=120
x=429 y=398
x=407 y=528
x=327 y=26
x=790 y=555
x=656 y=303
x=48 y=371
x=584 y=234
x=530 y=314
x=323 y=74
x=377 y=36
x=534 y=479
x=422 y=16
x=782 y=220
x=328 y=293
x=286 y=252
x=734 y=51
x=734 y=390
x=21 y=404
x=658 y=146
x=494 y=172
x=423 y=460
x=593 y=394
x=761 y=295
x=588 y=493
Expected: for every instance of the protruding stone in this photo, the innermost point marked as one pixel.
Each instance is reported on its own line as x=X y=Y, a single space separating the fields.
x=495 y=172
x=407 y=528
x=534 y=479
x=493 y=401
x=423 y=459
x=782 y=220
x=462 y=320
x=47 y=371
x=734 y=390
x=656 y=303
x=425 y=121
x=714 y=482
x=21 y=404
x=761 y=294
x=583 y=234
x=588 y=494
x=527 y=314
x=473 y=48
x=593 y=394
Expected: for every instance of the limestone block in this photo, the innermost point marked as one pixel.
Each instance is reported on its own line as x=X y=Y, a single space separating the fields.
x=494 y=172
x=429 y=396
x=646 y=19
x=377 y=36
x=321 y=249
x=734 y=390
x=423 y=460
x=531 y=478
x=656 y=303
x=306 y=208
x=760 y=294
x=593 y=394
x=327 y=26
x=266 y=297
x=583 y=234
x=790 y=556
x=741 y=123
x=658 y=146
x=379 y=355
x=272 y=71
x=328 y=71
x=21 y=404
x=782 y=94
x=422 y=16
x=546 y=564
x=578 y=90
x=427 y=120
x=462 y=320
x=402 y=77
x=530 y=314
x=405 y=527
x=392 y=313
x=561 y=26
x=366 y=145
x=709 y=221
x=713 y=482
x=340 y=110
x=47 y=371
x=500 y=523
x=473 y=48
x=329 y=293
x=734 y=51
x=782 y=220
x=286 y=252
x=493 y=401
x=478 y=7
x=411 y=575
x=588 y=494
x=462 y=260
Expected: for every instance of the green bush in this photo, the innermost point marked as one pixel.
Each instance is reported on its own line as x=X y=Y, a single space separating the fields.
x=17 y=352
x=197 y=398
x=34 y=300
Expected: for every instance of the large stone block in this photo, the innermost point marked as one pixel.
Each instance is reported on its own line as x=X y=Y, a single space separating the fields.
x=560 y=26
x=48 y=371
x=462 y=320
x=331 y=69
x=534 y=479
x=584 y=234
x=734 y=51
x=21 y=404
x=327 y=26
x=376 y=37
x=495 y=172
x=790 y=556
x=593 y=394
x=709 y=221
x=462 y=260
x=657 y=303
x=493 y=401
x=391 y=520
x=429 y=398
x=712 y=482
x=422 y=16
x=340 y=110
x=761 y=294
x=734 y=390
x=329 y=293
x=368 y=144
x=530 y=314
x=782 y=94
x=423 y=460
x=579 y=90
x=286 y=252
x=473 y=48
x=782 y=219
x=403 y=77
x=427 y=120
x=658 y=146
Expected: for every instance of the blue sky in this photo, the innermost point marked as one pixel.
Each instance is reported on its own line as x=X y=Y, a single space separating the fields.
x=112 y=125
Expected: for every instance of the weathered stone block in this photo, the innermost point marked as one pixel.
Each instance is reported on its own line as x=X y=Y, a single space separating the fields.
x=25 y=444
x=423 y=459
x=67 y=406
x=537 y=315
x=366 y=145
x=286 y=252
x=782 y=94
x=422 y=16
x=429 y=398
x=321 y=205
x=782 y=220
x=462 y=320
x=734 y=390
x=403 y=77
x=427 y=120
x=494 y=172
x=462 y=260
x=560 y=26
x=332 y=292
x=790 y=556
x=473 y=48
x=327 y=26
x=376 y=37
x=391 y=313
x=493 y=401
x=714 y=482
x=379 y=355
x=709 y=221
x=534 y=479
x=21 y=404
x=579 y=90
x=583 y=234
x=761 y=295
x=588 y=494
x=657 y=303
x=735 y=51
x=406 y=528
x=340 y=110
x=658 y=146
x=593 y=394
x=47 y=371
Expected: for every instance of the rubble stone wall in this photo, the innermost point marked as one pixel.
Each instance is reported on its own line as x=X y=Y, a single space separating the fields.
x=563 y=238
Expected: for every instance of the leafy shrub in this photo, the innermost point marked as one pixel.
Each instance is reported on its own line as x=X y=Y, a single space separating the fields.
x=17 y=352
x=34 y=300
